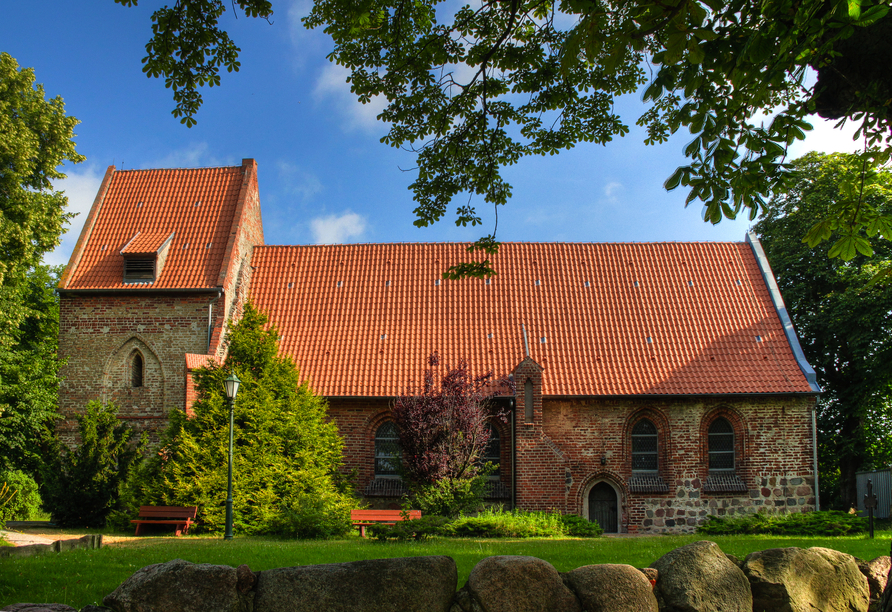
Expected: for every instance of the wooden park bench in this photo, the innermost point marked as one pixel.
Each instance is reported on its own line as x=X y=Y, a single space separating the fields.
x=366 y=518
x=180 y=517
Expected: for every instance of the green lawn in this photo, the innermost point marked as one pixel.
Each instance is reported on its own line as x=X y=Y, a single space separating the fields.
x=82 y=577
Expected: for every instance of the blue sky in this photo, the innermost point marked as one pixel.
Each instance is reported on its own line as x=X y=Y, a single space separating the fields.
x=324 y=176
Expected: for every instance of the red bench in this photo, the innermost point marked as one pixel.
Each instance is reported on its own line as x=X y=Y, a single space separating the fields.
x=179 y=516
x=366 y=518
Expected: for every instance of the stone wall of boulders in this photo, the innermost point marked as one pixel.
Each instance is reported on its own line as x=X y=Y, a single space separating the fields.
x=697 y=577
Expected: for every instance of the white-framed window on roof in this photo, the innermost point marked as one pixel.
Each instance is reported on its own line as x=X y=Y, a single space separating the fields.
x=387 y=450
x=645 y=447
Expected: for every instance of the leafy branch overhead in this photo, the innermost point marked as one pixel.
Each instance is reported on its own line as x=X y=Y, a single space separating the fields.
x=188 y=48
x=473 y=90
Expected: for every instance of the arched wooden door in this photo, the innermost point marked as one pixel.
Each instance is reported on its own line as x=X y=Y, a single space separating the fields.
x=602 y=507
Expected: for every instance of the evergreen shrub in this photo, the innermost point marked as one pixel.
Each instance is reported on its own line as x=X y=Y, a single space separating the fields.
x=825 y=523
x=83 y=485
x=286 y=452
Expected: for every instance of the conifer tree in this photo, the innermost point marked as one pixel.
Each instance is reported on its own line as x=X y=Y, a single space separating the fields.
x=287 y=453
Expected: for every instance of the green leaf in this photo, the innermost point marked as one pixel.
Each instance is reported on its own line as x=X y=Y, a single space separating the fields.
x=854 y=9
x=673 y=181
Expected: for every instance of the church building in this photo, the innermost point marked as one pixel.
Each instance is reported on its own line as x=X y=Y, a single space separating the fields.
x=655 y=383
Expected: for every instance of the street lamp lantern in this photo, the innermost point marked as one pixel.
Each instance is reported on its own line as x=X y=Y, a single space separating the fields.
x=230 y=385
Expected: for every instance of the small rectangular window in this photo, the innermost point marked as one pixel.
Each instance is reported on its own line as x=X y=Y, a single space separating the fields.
x=139 y=270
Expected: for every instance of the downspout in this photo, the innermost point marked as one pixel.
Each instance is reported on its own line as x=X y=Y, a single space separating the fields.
x=211 y=320
x=814 y=446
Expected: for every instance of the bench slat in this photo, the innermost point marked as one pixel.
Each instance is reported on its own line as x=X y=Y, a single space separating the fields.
x=180 y=516
x=366 y=518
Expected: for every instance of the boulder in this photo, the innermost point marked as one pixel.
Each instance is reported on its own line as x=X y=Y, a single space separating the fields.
x=612 y=588
x=700 y=577
x=651 y=574
x=177 y=585
x=38 y=607
x=800 y=580
x=412 y=584
x=876 y=572
x=516 y=584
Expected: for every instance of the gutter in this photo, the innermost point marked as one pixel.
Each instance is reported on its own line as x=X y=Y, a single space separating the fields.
x=218 y=291
x=781 y=309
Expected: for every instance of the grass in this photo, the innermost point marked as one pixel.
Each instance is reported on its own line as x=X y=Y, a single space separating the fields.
x=81 y=577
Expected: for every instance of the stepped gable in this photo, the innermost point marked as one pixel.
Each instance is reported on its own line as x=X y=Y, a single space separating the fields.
x=602 y=319
x=140 y=209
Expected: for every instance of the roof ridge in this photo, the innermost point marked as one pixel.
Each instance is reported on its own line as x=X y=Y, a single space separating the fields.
x=178 y=168
x=521 y=242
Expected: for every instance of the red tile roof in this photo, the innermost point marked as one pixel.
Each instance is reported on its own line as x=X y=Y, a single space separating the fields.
x=194 y=361
x=602 y=319
x=198 y=205
x=144 y=243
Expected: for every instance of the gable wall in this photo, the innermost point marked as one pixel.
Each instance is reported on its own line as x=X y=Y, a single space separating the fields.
x=97 y=336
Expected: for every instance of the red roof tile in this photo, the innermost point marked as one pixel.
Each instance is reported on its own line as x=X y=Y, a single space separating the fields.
x=144 y=243
x=602 y=319
x=194 y=361
x=197 y=205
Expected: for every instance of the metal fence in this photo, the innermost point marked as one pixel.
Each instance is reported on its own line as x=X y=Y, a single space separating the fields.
x=882 y=488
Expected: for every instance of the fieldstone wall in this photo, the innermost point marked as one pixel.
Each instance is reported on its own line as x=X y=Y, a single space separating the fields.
x=698 y=577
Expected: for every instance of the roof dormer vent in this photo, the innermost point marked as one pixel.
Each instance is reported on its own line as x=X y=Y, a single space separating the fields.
x=144 y=256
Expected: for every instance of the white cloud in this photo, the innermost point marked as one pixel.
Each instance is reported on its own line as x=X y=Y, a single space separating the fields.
x=193 y=156
x=81 y=187
x=332 y=87
x=612 y=189
x=307 y=43
x=297 y=181
x=335 y=229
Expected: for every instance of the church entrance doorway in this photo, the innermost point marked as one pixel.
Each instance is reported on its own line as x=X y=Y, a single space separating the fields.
x=602 y=507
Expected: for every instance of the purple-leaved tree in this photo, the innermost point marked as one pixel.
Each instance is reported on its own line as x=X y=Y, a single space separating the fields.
x=443 y=433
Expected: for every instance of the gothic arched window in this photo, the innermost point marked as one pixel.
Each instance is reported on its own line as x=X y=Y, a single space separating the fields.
x=136 y=370
x=387 y=450
x=721 y=446
x=645 y=456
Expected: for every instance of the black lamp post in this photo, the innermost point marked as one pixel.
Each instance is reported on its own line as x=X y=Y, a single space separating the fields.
x=231 y=386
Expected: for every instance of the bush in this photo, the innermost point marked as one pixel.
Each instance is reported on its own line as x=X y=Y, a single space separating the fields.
x=491 y=523
x=287 y=452
x=580 y=527
x=23 y=499
x=82 y=486
x=827 y=523
x=414 y=529
x=449 y=497
x=317 y=516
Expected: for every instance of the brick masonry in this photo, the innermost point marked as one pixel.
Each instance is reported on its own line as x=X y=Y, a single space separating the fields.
x=99 y=335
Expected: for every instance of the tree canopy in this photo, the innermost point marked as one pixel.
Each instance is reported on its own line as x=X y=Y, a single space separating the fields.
x=29 y=368
x=841 y=313
x=35 y=140
x=474 y=89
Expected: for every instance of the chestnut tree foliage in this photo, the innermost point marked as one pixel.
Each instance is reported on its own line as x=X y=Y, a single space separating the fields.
x=443 y=433
x=474 y=88
x=841 y=310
